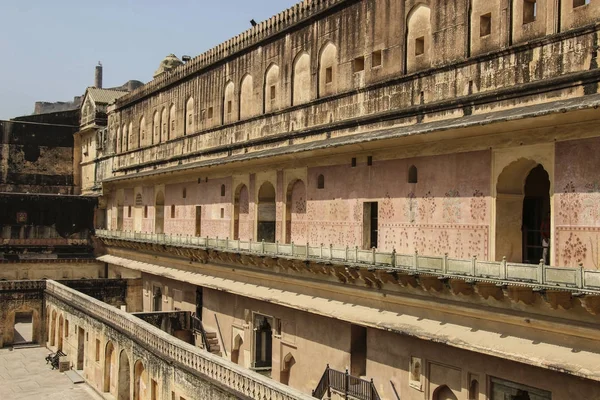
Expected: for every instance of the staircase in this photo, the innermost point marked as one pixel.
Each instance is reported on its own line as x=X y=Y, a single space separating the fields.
x=210 y=342
x=345 y=385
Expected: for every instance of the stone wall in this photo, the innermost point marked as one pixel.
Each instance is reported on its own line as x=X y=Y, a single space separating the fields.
x=37 y=153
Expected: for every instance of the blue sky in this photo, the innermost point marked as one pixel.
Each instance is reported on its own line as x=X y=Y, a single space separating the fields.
x=49 y=48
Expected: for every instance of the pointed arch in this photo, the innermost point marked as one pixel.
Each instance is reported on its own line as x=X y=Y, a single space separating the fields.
x=246 y=100
x=188 y=117
x=159 y=212
x=124 y=380
x=286 y=367
x=172 y=132
x=155 y=135
x=418 y=38
x=227 y=114
x=443 y=393
x=236 y=350
x=140 y=381
x=109 y=367
x=295 y=212
x=241 y=213
x=266 y=223
x=131 y=135
x=327 y=70
x=271 y=89
x=124 y=139
x=164 y=126
x=141 y=137
x=301 y=81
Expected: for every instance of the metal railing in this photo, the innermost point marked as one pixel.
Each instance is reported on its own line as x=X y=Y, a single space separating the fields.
x=197 y=326
x=536 y=274
x=346 y=385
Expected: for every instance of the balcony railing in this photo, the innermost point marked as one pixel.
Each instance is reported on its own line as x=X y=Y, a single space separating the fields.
x=535 y=274
x=39 y=235
x=228 y=374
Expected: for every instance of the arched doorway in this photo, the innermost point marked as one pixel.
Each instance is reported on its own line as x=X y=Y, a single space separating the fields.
x=124 y=377
x=120 y=211
x=156 y=299
x=286 y=367
x=53 y=329
x=266 y=213
x=235 y=353
x=522 y=211
x=159 y=213
x=140 y=381
x=60 y=333
x=263 y=342
x=295 y=213
x=241 y=207
x=138 y=213
x=443 y=393
x=109 y=362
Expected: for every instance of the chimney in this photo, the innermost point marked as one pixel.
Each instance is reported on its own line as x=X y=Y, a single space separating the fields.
x=98 y=76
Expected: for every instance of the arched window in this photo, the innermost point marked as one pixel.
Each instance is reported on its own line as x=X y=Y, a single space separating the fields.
x=189 y=116
x=172 y=132
x=246 y=97
x=270 y=97
x=155 y=128
x=131 y=135
x=418 y=38
x=327 y=70
x=474 y=390
x=222 y=190
x=164 y=133
x=321 y=182
x=301 y=79
x=227 y=110
x=142 y=133
x=125 y=139
x=412 y=174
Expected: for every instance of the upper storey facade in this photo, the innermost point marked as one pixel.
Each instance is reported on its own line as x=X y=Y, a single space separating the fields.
x=348 y=66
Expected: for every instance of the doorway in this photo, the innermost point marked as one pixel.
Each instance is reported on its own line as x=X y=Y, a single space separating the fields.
x=536 y=216
x=198 y=220
x=358 y=350
x=23 y=328
x=120 y=212
x=156 y=299
x=199 y=302
x=523 y=212
x=159 y=213
x=60 y=333
x=80 y=347
x=266 y=213
x=124 y=392
x=370 y=224
x=263 y=342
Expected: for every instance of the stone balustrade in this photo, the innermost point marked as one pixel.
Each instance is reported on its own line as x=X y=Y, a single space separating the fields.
x=576 y=279
x=228 y=374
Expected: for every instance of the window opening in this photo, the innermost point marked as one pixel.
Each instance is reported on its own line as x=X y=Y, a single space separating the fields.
x=222 y=190
x=273 y=92
x=229 y=107
x=370 y=160
x=210 y=113
x=172 y=210
x=321 y=182
x=353 y=162
x=485 y=25
x=420 y=46
x=412 y=174
x=529 y=11
x=359 y=64
x=329 y=75
x=376 y=59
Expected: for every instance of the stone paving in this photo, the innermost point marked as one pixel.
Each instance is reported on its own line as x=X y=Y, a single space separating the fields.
x=24 y=375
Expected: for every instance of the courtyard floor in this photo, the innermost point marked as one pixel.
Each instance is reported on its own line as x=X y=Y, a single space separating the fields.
x=25 y=375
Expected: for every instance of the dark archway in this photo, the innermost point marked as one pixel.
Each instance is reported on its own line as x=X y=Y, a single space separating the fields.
x=443 y=393
x=522 y=199
x=61 y=322
x=53 y=329
x=159 y=213
x=140 y=381
x=266 y=213
x=235 y=352
x=286 y=368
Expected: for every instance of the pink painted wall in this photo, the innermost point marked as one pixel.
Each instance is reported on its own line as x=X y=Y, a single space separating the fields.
x=447 y=211
x=577 y=203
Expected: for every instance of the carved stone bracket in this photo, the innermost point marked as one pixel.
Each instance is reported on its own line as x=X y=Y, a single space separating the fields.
x=460 y=286
x=487 y=290
x=525 y=295
x=269 y=262
x=342 y=274
x=369 y=278
x=387 y=276
x=246 y=259
x=558 y=298
x=318 y=268
x=430 y=283
x=408 y=279
x=591 y=303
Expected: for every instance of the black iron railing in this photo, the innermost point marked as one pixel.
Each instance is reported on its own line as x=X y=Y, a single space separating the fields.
x=198 y=327
x=346 y=385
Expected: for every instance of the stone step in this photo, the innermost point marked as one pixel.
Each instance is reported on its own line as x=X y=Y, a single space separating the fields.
x=211 y=335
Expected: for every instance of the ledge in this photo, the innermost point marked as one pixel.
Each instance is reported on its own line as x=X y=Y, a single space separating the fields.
x=581 y=363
